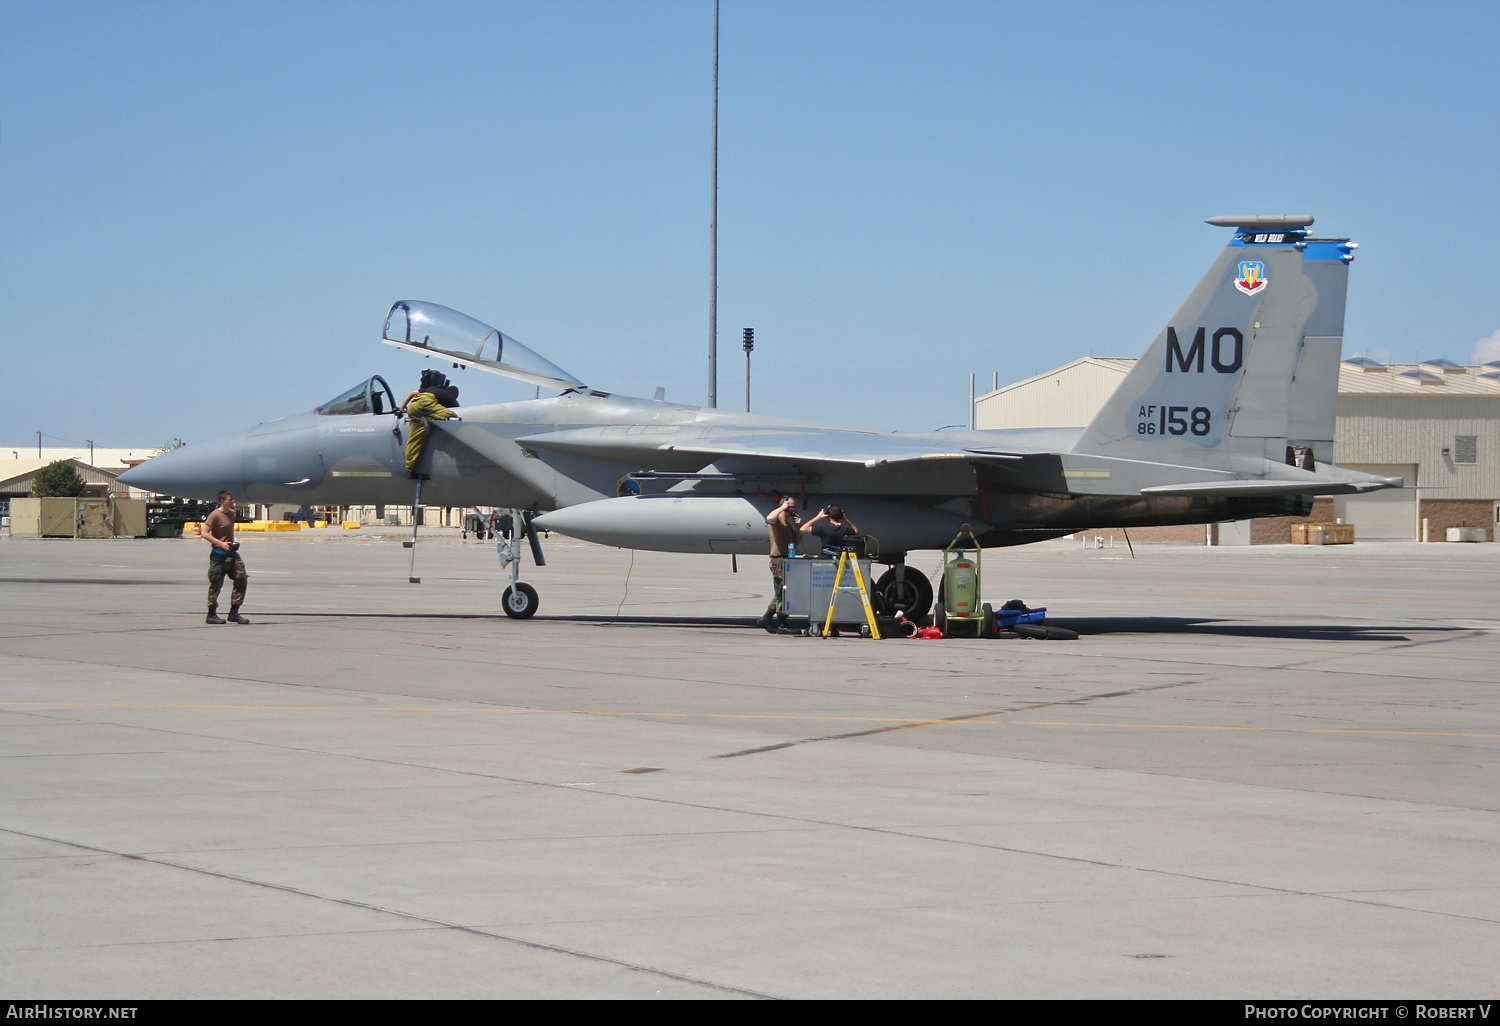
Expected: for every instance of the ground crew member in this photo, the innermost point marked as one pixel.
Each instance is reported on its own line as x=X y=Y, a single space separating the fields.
x=782 y=523
x=833 y=528
x=224 y=561
x=430 y=402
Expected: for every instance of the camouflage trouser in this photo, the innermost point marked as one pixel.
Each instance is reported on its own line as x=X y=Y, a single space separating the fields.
x=418 y=411
x=778 y=585
x=220 y=567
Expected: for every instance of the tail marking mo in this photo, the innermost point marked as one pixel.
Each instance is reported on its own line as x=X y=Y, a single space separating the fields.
x=1174 y=348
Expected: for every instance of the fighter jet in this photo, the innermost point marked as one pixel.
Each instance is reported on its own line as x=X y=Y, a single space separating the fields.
x=1228 y=415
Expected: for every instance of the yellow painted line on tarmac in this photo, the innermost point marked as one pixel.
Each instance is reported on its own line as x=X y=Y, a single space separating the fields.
x=1264 y=730
x=983 y=719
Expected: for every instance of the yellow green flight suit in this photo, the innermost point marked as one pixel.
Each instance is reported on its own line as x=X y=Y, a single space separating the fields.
x=418 y=412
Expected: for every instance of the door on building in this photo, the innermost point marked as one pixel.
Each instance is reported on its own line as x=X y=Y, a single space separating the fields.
x=1386 y=515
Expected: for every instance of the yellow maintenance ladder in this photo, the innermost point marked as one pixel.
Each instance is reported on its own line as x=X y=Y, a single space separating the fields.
x=850 y=557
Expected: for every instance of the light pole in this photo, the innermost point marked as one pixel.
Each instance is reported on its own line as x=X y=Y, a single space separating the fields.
x=749 y=344
x=713 y=241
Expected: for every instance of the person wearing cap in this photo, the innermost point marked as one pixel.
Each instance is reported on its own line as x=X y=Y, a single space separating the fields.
x=833 y=528
x=429 y=402
x=782 y=523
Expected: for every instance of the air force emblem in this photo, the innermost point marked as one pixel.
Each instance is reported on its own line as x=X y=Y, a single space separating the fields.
x=1252 y=279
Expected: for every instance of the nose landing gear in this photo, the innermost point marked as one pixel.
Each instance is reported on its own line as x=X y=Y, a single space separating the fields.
x=520 y=600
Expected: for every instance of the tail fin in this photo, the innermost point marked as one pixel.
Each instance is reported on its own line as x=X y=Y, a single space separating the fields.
x=1248 y=365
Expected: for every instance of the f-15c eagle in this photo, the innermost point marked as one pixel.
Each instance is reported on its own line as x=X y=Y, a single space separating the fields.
x=1229 y=415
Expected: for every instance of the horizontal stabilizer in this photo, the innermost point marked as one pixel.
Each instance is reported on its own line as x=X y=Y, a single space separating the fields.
x=1310 y=487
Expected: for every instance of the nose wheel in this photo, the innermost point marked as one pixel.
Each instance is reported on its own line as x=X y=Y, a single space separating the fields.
x=519 y=600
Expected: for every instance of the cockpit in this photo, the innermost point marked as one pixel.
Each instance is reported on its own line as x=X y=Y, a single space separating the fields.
x=372 y=396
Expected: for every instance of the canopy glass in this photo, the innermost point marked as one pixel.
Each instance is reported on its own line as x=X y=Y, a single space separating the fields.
x=435 y=330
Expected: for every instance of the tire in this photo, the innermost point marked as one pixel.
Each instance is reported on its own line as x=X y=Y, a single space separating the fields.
x=519 y=602
x=912 y=596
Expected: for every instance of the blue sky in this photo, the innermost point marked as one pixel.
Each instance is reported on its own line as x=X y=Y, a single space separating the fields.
x=205 y=209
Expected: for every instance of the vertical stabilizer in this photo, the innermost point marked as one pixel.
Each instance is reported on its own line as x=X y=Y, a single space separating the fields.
x=1248 y=365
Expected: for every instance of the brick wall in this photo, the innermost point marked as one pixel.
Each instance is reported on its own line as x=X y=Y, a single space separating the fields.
x=1278 y=530
x=1442 y=514
x=1263 y=530
x=1177 y=534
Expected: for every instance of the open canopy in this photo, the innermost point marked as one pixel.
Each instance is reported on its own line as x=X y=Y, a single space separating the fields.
x=434 y=330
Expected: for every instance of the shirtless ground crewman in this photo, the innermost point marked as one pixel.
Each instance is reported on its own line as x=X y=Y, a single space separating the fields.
x=782 y=523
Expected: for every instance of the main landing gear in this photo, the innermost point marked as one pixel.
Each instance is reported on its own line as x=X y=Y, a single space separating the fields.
x=903 y=589
x=519 y=600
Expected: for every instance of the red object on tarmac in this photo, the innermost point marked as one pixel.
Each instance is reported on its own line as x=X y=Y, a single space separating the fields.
x=929 y=632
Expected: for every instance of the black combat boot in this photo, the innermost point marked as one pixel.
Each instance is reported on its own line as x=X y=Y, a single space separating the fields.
x=234 y=615
x=213 y=615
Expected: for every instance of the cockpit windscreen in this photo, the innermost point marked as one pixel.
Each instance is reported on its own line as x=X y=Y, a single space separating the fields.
x=372 y=396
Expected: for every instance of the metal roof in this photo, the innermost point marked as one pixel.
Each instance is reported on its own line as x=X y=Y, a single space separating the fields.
x=1118 y=364
x=1412 y=378
x=1358 y=375
x=16 y=475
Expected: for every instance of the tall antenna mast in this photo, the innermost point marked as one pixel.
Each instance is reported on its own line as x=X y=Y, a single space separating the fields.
x=713 y=241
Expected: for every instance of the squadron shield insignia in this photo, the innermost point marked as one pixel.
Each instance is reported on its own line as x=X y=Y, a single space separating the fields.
x=1252 y=279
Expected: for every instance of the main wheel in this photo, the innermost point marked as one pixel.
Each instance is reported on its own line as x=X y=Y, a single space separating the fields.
x=912 y=596
x=519 y=602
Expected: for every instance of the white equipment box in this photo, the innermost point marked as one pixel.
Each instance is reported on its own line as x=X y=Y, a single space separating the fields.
x=809 y=582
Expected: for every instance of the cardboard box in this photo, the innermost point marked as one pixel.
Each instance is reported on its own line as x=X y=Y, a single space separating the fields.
x=1330 y=534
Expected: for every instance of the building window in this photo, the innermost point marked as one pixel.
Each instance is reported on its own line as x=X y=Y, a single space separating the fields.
x=1466 y=449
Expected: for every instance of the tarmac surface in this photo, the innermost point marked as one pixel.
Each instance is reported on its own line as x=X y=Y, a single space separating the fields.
x=1262 y=772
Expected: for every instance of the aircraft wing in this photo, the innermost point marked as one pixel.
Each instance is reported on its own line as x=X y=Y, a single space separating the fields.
x=856 y=448
x=1034 y=461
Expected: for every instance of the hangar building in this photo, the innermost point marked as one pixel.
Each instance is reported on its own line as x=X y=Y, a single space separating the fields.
x=1437 y=424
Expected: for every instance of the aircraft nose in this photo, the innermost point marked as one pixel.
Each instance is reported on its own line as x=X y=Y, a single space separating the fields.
x=197 y=471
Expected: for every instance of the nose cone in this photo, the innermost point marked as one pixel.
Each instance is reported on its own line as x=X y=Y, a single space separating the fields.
x=197 y=471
